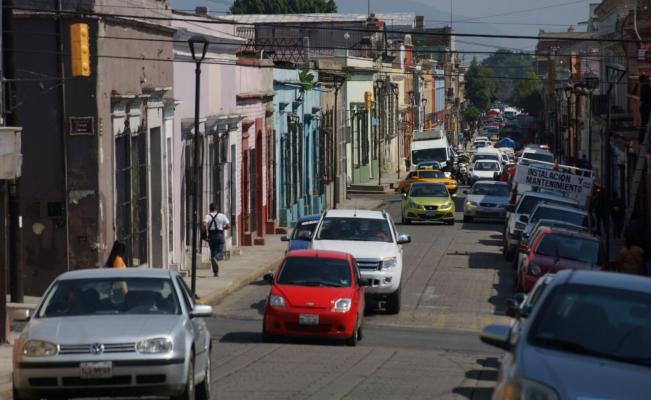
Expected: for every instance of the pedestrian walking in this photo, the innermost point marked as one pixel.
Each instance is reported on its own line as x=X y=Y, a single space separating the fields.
x=630 y=258
x=596 y=207
x=214 y=225
x=116 y=257
x=617 y=215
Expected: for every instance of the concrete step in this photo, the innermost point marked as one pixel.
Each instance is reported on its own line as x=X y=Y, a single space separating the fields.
x=366 y=187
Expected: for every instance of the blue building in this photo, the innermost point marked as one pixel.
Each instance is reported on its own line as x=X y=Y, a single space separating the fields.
x=297 y=137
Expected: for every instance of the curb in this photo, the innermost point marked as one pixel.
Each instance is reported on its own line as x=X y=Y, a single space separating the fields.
x=217 y=297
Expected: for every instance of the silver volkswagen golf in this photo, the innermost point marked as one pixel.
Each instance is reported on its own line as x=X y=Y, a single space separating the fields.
x=114 y=332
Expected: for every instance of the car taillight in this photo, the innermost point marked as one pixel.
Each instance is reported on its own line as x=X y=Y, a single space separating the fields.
x=524 y=247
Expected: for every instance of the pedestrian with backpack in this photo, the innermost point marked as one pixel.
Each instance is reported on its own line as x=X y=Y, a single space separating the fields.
x=214 y=225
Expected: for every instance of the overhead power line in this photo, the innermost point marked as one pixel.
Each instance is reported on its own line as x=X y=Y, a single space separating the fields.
x=331 y=28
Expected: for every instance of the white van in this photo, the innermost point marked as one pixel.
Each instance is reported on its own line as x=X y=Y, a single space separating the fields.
x=488 y=153
x=433 y=147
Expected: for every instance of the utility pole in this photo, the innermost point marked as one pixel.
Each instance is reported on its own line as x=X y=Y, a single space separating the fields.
x=551 y=88
x=3 y=206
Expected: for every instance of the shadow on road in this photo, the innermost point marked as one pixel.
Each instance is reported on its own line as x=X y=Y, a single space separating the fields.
x=483 y=226
x=487 y=373
x=473 y=393
x=259 y=306
x=241 y=337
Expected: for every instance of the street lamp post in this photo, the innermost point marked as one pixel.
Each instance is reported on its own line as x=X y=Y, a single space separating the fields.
x=568 y=94
x=198 y=47
x=591 y=84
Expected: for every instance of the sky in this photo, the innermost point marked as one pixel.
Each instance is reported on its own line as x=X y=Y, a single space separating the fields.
x=508 y=17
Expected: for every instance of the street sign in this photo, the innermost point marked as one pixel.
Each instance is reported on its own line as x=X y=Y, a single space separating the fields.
x=572 y=182
x=11 y=158
x=82 y=126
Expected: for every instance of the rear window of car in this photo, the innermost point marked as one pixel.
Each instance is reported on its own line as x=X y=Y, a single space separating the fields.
x=569 y=247
x=355 y=229
x=490 y=190
x=431 y=174
x=528 y=203
x=305 y=226
x=313 y=271
x=576 y=218
x=546 y=157
x=110 y=296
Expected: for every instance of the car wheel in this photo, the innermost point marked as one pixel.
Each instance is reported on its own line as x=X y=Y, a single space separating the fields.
x=17 y=396
x=508 y=255
x=352 y=341
x=406 y=221
x=204 y=388
x=450 y=222
x=188 y=393
x=360 y=332
x=266 y=336
x=467 y=218
x=393 y=302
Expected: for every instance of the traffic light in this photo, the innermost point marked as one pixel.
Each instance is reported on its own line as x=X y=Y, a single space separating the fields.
x=79 y=50
x=368 y=100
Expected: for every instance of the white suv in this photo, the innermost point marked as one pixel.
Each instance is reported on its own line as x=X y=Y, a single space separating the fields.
x=371 y=237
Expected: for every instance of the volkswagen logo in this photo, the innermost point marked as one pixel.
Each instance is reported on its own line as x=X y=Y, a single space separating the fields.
x=97 y=348
x=309 y=304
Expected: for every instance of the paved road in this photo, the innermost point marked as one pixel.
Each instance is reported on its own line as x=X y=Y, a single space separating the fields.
x=455 y=282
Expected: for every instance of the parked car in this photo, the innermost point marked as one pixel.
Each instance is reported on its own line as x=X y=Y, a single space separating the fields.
x=315 y=293
x=427 y=176
x=114 y=332
x=517 y=217
x=427 y=202
x=372 y=238
x=485 y=170
x=557 y=249
x=589 y=337
x=305 y=225
x=486 y=199
x=523 y=303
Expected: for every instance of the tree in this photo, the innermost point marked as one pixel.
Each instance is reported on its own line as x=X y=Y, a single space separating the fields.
x=510 y=67
x=480 y=86
x=527 y=93
x=283 y=6
x=471 y=114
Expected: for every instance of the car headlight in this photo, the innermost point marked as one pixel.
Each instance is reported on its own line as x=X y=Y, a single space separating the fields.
x=389 y=262
x=277 y=301
x=520 y=225
x=411 y=204
x=342 y=305
x=445 y=206
x=40 y=348
x=535 y=269
x=154 y=346
x=525 y=389
x=471 y=203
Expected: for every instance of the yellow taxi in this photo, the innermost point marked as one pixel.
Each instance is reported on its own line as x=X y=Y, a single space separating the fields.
x=427 y=176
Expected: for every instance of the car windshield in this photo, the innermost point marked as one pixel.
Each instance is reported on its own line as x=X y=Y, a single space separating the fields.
x=478 y=157
x=437 y=154
x=568 y=216
x=304 y=226
x=428 y=191
x=546 y=157
x=313 y=271
x=487 y=166
x=490 y=190
x=431 y=164
x=110 y=296
x=431 y=174
x=569 y=247
x=528 y=203
x=357 y=229
x=596 y=321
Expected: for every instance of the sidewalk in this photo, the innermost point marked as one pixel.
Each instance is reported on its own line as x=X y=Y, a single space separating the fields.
x=385 y=184
x=235 y=273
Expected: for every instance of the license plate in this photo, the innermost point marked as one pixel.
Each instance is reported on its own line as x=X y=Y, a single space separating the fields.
x=94 y=370
x=431 y=213
x=308 y=319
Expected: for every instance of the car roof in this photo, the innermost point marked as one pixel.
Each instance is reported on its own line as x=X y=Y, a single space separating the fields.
x=492 y=183
x=354 y=213
x=555 y=230
x=311 y=217
x=548 y=196
x=558 y=207
x=604 y=279
x=339 y=255
x=95 y=273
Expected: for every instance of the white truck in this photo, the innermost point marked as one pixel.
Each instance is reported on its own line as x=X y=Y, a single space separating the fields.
x=431 y=145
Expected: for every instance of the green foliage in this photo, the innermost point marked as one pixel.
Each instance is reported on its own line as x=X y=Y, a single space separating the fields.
x=480 y=86
x=307 y=80
x=510 y=67
x=528 y=93
x=471 y=114
x=283 y=6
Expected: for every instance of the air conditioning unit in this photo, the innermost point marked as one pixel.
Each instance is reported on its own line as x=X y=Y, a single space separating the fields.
x=11 y=158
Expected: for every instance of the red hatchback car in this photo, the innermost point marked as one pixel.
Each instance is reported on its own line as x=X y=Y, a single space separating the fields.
x=556 y=249
x=315 y=293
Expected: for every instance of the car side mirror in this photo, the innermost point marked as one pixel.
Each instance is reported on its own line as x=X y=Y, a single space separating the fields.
x=268 y=277
x=510 y=208
x=519 y=297
x=201 y=311
x=21 y=315
x=513 y=308
x=496 y=175
x=284 y=238
x=524 y=218
x=497 y=336
x=305 y=235
x=364 y=282
x=403 y=239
